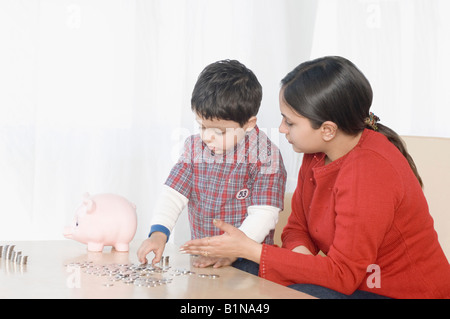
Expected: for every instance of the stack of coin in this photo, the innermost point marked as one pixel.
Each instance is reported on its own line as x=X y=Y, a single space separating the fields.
x=8 y=253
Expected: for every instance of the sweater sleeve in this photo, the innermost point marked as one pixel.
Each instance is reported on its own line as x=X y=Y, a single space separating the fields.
x=366 y=195
x=296 y=233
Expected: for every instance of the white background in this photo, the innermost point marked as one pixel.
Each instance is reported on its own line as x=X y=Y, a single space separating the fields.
x=95 y=94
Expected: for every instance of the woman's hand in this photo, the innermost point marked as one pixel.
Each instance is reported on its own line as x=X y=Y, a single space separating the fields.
x=233 y=243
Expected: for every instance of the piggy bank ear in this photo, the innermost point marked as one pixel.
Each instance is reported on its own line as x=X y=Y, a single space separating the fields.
x=90 y=205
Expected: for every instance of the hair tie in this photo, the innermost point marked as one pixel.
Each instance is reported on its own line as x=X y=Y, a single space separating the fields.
x=372 y=121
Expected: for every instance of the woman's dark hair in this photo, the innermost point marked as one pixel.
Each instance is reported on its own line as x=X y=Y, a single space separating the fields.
x=333 y=89
x=227 y=90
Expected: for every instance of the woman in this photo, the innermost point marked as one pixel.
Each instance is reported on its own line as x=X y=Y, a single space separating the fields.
x=359 y=199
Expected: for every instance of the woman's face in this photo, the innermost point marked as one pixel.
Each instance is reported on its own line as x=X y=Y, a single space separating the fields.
x=298 y=130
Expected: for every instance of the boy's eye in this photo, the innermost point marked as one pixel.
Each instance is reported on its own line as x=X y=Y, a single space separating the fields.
x=216 y=131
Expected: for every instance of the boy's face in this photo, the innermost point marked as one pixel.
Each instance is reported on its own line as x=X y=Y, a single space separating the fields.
x=221 y=136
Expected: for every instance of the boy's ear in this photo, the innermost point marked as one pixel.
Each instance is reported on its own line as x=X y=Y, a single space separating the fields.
x=251 y=123
x=328 y=130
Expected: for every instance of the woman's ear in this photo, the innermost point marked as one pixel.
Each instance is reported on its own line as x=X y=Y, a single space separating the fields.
x=328 y=130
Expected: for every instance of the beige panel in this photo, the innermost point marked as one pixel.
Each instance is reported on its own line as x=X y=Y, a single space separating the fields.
x=432 y=158
x=282 y=219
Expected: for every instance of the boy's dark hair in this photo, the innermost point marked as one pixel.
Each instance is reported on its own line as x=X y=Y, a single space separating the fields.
x=227 y=90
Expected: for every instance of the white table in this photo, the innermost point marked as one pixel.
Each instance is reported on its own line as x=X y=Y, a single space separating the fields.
x=52 y=272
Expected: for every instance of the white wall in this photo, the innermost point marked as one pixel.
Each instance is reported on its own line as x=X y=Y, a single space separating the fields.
x=94 y=94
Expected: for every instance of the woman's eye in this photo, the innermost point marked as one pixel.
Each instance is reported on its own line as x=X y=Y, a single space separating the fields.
x=287 y=123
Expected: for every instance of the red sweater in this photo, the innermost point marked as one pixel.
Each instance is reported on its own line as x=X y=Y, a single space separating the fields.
x=365 y=208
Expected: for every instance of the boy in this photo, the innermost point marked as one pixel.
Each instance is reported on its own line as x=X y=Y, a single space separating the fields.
x=230 y=171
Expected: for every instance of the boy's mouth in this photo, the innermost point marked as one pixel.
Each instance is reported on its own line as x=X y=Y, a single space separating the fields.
x=215 y=150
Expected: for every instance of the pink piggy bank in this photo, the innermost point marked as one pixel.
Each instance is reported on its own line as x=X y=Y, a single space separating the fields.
x=104 y=220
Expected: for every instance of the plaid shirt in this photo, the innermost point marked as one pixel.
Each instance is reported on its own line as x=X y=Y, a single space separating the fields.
x=223 y=186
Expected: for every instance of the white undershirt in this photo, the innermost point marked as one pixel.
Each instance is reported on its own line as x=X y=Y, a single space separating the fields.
x=257 y=225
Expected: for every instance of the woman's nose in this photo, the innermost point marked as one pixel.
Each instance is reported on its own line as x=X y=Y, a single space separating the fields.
x=282 y=128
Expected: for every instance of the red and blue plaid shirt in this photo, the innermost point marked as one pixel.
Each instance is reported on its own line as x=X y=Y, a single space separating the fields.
x=224 y=186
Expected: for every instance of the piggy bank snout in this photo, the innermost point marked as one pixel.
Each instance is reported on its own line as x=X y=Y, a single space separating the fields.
x=67 y=232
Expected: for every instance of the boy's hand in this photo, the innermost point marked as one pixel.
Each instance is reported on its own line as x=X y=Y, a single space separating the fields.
x=216 y=262
x=302 y=250
x=156 y=244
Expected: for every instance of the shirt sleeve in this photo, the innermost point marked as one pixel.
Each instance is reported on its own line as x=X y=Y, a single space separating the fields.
x=180 y=177
x=175 y=193
x=270 y=182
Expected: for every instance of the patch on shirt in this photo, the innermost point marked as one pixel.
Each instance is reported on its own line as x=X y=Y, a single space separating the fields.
x=242 y=194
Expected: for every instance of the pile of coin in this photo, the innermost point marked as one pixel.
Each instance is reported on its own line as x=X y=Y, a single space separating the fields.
x=141 y=275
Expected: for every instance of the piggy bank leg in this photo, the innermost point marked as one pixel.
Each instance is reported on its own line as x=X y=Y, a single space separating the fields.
x=95 y=247
x=121 y=247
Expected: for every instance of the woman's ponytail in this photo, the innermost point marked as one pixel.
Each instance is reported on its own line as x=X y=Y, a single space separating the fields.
x=371 y=122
